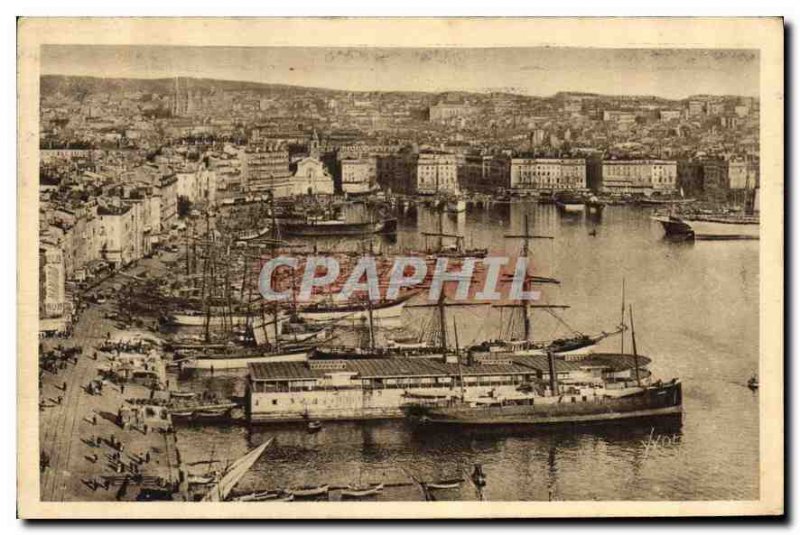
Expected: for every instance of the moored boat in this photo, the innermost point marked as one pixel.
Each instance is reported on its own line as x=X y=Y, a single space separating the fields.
x=569 y=203
x=360 y=492
x=445 y=484
x=314 y=426
x=711 y=226
x=319 y=227
x=309 y=491
x=455 y=205
x=580 y=408
x=240 y=362
x=385 y=309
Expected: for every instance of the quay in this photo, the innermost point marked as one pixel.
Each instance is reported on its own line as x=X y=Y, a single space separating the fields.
x=94 y=446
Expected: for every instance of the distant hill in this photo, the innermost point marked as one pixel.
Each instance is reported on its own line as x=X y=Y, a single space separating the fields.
x=51 y=83
x=66 y=84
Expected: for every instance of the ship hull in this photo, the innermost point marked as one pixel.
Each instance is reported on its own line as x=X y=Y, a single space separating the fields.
x=311 y=230
x=199 y=320
x=357 y=313
x=709 y=229
x=240 y=363
x=674 y=227
x=570 y=207
x=653 y=402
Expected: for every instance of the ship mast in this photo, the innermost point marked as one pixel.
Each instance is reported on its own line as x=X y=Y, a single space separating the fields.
x=622 y=320
x=635 y=354
x=442 y=322
x=458 y=359
x=525 y=303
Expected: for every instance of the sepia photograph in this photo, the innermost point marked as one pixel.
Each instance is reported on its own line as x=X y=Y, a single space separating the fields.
x=521 y=274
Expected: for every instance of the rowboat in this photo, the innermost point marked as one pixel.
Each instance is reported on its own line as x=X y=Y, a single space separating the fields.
x=309 y=491
x=358 y=492
x=182 y=414
x=314 y=426
x=265 y=496
x=201 y=480
x=211 y=415
x=446 y=484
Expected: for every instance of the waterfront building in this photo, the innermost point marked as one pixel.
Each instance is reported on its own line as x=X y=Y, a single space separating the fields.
x=436 y=173
x=397 y=172
x=551 y=174
x=742 y=175
x=359 y=175
x=639 y=176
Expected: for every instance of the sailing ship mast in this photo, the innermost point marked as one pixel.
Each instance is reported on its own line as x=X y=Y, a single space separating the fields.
x=635 y=353
x=622 y=320
x=525 y=303
x=458 y=359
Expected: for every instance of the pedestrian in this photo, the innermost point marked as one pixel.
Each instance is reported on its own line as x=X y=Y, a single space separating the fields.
x=122 y=388
x=147 y=456
x=64 y=386
x=60 y=399
x=94 y=418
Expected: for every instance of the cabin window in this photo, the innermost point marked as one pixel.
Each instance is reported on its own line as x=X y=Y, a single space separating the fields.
x=274 y=401
x=583 y=398
x=573 y=399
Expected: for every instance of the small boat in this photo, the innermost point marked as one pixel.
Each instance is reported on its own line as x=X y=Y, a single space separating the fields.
x=569 y=203
x=265 y=496
x=752 y=383
x=455 y=206
x=182 y=395
x=446 y=484
x=201 y=480
x=359 y=492
x=314 y=426
x=309 y=491
x=182 y=414
x=211 y=415
x=285 y=497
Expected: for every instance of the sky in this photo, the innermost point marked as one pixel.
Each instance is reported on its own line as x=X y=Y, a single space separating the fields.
x=537 y=71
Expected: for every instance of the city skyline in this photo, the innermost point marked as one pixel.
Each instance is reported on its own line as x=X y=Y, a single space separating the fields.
x=540 y=72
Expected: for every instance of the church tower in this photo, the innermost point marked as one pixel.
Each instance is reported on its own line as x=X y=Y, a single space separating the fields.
x=314 y=149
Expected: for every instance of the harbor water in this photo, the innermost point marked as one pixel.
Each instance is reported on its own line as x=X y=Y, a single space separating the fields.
x=696 y=315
